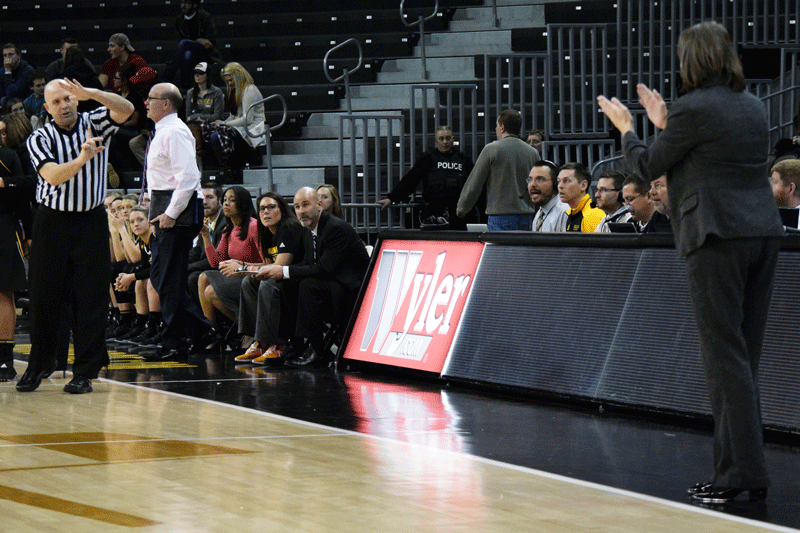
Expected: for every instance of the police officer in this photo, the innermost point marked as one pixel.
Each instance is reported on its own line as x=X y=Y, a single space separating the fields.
x=442 y=172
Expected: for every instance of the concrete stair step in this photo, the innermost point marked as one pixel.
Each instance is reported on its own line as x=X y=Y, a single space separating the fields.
x=286 y=181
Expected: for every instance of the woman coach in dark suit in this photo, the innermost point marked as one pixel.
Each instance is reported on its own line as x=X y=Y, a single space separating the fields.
x=714 y=151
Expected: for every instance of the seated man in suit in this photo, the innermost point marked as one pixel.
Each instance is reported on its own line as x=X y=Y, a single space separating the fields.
x=216 y=221
x=327 y=281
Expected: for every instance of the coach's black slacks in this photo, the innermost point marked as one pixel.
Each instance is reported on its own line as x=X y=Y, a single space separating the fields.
x=69 y=265
x=730 y=282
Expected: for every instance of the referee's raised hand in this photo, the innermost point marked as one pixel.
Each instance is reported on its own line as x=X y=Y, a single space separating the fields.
x=92 y=146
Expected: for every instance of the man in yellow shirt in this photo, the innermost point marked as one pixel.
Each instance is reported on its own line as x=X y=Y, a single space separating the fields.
x=573 y=186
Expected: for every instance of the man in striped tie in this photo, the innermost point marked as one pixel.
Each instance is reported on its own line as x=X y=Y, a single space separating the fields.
x=70 y=257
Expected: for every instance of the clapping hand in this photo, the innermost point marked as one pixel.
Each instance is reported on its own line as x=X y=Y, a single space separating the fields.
x=654 y=104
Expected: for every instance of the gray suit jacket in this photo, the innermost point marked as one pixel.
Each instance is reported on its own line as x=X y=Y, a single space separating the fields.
x=714 y=152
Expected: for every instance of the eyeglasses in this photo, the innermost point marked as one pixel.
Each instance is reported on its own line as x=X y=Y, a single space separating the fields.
x=629 y=201
x=602 y=190
x=270 y=207
x=155 y=98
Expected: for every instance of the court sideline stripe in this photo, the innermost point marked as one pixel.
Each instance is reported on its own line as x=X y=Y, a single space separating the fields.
x=493 y=462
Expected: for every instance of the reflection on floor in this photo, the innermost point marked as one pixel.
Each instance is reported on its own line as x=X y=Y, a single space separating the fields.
x=438 y=458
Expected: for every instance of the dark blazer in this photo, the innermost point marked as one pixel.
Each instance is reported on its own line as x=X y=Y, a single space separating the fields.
x=197 y=255
x=341 y=254
x=714 y=152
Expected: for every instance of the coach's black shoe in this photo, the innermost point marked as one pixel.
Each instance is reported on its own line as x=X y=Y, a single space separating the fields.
x=722 y=495
x=79 y=385
x=703 y=486
x=31 y=379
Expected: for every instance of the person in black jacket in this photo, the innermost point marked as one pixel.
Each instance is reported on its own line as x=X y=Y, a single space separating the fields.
x=328 y=280
x=442 y=172
x=16 y=190
x=713 y=148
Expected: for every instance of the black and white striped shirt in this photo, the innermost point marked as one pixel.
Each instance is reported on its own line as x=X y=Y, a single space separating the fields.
x=50 y=143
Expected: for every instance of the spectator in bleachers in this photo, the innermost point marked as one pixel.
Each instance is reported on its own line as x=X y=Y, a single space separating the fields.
x=268 y=307
x=14 y=106
x=535 y=138
x=551 y=214
x=198 y=34
x=14 y=208
x=442 y=172
x=574 y=180
x=335 y=263
x=329 y=200
x=785 y=182
x=34 y=103
x=636 y=194
x=659 y=222
x=122 y=53
x=219 y=288
x=231 y=144
x=608 y=197
x=215 y=220
x=204 y=103
x=121 y=156
x=502 y=169
x=56 y=68
x=17 y=74
x=17 y=130
x=75 y=68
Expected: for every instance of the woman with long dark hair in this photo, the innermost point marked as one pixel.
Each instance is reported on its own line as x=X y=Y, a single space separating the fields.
x=713 y=149
x=266 y=315
x=219 y=289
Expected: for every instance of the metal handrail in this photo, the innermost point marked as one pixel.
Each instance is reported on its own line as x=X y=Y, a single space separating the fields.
x=421 y=23
x=268 y=133
x=345 y=72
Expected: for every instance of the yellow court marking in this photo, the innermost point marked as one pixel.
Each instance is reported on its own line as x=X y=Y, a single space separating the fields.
x=48 y=502
x=119 y=360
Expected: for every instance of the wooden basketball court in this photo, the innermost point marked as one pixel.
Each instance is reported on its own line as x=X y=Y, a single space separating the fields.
x=132 y=457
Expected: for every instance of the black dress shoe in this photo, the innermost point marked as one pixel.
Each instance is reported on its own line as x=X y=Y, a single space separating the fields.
x=164 y=354
x=210 y=342
x=720 y=495
x=290 y=353
x=310 y=358
x=699 y=487
x=31 y=379
x=7 y=372
x=79 y=385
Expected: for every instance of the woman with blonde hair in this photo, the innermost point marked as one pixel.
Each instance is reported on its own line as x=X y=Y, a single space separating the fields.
x=329 y=200
x=228 y=138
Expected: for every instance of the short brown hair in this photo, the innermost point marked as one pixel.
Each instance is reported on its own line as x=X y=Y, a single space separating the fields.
x=789 y=172
x=705 y=52
x=511 y=121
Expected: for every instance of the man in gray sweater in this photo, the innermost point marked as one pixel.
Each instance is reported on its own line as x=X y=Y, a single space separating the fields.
x=503 y=168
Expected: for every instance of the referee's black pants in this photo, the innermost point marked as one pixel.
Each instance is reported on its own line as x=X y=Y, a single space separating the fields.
x=69 y=265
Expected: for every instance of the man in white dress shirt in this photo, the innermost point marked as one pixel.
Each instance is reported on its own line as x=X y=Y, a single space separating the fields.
x=173 y=180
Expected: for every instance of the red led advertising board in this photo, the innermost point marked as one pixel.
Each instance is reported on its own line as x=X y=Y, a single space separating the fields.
x=413 y=303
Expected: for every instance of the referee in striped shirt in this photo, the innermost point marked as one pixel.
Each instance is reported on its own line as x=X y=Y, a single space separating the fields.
x=70 y=257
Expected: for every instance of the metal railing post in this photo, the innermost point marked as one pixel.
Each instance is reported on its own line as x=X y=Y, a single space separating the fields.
x=421 y=23
x=268 y=133
x=345 y=72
